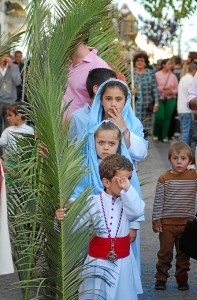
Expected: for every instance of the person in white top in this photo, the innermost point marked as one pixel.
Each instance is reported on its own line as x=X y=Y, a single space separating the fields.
x=110 y=270
x=192 y=95
x=182 y=107
x=16 y=118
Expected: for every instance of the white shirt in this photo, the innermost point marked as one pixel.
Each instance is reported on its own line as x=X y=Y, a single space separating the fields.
x=3 y=71
x=192 y=92
x=184 y=85
x=7 y=139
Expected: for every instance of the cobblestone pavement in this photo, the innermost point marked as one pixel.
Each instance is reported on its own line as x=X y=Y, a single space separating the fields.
x=149 y=171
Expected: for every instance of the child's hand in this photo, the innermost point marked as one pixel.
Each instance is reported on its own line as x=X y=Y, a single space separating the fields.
x=117 y=118
x=60 y=213
x=157 y=229
x=157 y=226
x=132 y=235
x=42 y=150
x=123 y=182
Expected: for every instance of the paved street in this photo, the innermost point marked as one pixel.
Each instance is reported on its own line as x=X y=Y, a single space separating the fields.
x=149 y=170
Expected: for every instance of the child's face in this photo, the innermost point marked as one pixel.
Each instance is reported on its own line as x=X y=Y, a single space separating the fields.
x=112 y=187
x=106 y=143
x=112 y=98
x=179 y=161
x=12 y=118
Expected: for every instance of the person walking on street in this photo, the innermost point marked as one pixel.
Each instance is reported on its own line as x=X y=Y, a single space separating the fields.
x=167 y=84
x=182 y=108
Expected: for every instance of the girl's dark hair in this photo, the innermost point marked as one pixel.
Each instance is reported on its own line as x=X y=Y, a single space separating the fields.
x=110 y=126
x=113 y=84
x=17 y=108
x=163 y=62
x=141 y=55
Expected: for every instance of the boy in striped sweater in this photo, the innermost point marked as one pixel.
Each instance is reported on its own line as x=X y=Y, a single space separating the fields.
x=174 y=204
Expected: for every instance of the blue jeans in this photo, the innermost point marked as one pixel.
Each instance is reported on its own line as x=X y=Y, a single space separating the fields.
x=186 y=122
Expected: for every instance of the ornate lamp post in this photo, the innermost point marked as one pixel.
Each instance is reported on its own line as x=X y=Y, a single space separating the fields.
x=128 y=32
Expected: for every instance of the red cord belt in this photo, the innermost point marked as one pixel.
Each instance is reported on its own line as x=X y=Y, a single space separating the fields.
x=100 y=247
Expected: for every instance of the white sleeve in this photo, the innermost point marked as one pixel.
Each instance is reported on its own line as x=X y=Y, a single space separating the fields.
x=135 y=225
x=4 y=138
x=133 y=205
x=139 y=147
x=192 y=92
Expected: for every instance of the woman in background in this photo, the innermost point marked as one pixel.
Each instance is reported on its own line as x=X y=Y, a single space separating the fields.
x=145 y=90
x=167 y=84
x=192 y=56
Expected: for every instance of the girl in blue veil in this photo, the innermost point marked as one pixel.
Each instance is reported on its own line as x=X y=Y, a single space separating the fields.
x=93 y=180
x=121 y=115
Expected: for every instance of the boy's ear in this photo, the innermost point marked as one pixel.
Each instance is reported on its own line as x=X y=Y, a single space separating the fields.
x=105 y=182
x=95 y=89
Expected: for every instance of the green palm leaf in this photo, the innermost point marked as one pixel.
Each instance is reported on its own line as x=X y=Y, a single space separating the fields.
x=50 y=262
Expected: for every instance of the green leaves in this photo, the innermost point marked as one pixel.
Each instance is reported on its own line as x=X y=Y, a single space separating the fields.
x=181 y=8
x=48 y=261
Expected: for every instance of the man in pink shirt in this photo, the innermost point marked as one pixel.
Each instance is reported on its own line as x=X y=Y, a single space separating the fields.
x=83 y=59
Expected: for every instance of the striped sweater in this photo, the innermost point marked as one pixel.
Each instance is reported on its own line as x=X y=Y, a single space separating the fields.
x=175 y=198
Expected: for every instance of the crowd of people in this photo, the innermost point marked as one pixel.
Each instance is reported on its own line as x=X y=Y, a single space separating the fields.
x=101 y=112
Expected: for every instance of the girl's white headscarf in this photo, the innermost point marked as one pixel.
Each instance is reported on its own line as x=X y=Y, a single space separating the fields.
x=96 y=113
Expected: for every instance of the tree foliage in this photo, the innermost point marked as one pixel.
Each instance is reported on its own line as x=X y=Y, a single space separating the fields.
x=162 y=32
x=180 y=8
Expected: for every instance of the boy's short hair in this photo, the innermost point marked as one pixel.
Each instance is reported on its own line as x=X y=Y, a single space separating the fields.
x=180 y=146
x=96 y=77
x=113 y=163
x=17 y=108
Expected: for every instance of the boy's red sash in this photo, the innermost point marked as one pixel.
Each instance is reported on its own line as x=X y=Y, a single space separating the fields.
x=99 y=247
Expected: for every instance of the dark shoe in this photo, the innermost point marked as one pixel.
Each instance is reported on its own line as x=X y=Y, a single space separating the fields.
x=183 y=286
x=160 y=285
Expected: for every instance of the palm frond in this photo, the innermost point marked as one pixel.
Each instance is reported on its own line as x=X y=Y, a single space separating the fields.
x=7 y=44
x=49 y=261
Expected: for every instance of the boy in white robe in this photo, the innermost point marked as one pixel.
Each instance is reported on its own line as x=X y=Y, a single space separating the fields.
x=109 y=253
